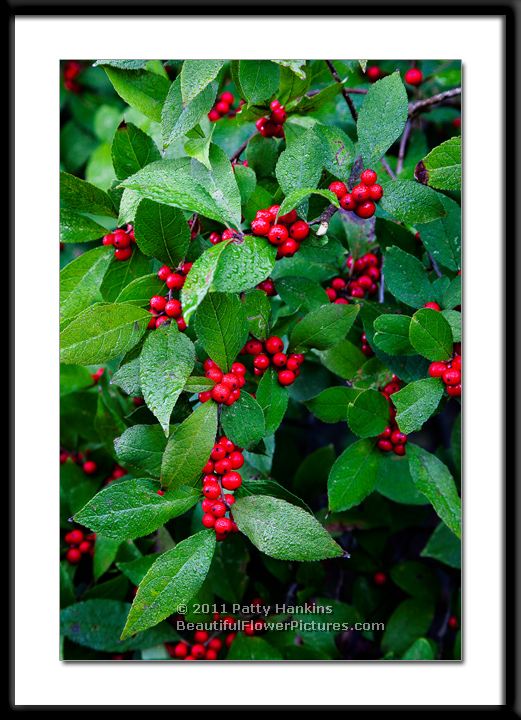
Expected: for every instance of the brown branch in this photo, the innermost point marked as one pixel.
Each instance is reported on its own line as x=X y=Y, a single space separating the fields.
x=422 y=105
x=336 y=78
x=403 y=147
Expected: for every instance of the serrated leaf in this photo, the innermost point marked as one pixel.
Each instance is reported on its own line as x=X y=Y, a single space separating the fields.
x=132 y=508
x=172 y=581
x=433 y=479
x=75 y=228
x=368 y=414
x=145 y=91
x=139 y=291
x=132 y=149
x=382 y=117
x=411 y=202
x=220 y=183
x=442 y=237
x=441 y=168
x=80 y=281
x=243 y=422
x=283 y=531
x=179 y=115
x=273 y=399
x=121 y=274
x=300 y=165
x=392 y=334
x=297 y=196
x=431 y=335
x=257 y=309
x=416 y=402
x=338 y=151
x=141 y=449
x=221 y=326
x=331 y=404
x=405 y=278
x=259 y=79
x=324 y=327
x=166 y=361
x=199 y=280
x=189 y=447
x=162 y=232
x=353 y=475
x=102 y=332
x=196 y=75
x=244 y=264
x=76 y=194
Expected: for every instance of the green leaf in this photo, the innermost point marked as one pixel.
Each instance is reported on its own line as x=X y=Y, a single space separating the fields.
x=252 y=648
x=411 y=619
x=142 y=90
x=127 y=378
x=97 y=624
x=257 y=309
x=283 y=531
x=121 y=274
x=244 y=264
x=171 y=582
x=262 y=155
x=273 y=399
x=300 y=165
x=412 y=203
x=246 y=180
x=441 y=168
x=221 y=326
x=219 y=181
x=166 y=361
x=331 y=404
x=105 y=551
x=416 y=402
x=267 y=486
x=297 y=196
x=431 y=335
x=141 y=449
x=189 y=447
x=324 y=327
x=162 y=232
x=415 y=578
x=74 y=378
x=394 y=480
x=392 y=334
x=135 y=570
x=139 y=291
x=301 y=293
x=76 y=194
x=75 y=228
x=344 y=359
x=171 y=182
x=382 y=117
x=368 y=415
x=132 y=149
x=243 y=422
x=353 y=475
x=199 y=280
x=405 y=278
x=132 y=508
x=196 y=75
x=80 y=281
x=338 y=151
x=179 y=116
x=421 y=649
x=259 y=79
x=102 y=332
x=442 y=237
x=444 y=546
x=298 y=67
x=434 y=480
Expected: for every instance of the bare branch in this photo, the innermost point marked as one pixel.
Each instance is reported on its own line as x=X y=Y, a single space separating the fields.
x=422 y=105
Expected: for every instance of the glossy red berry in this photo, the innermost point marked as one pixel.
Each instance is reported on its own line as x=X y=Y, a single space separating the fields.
x=73 y=556
x=288 y=248
x=214 y=374
x=236 y=459
x=261 y=362
x=368 y=177
x=163 y=272
x=299 y=230
x=90 y=467
x=173 y=308
x=162 y=320
x=227 y=97
x=331 y=294
x=413 y=76
x=175 y=281
x=223 y=525
x=278 y=234
x=373 y=73
x=208 y=520
x=451 y=377
x=211 y=491
x=219 y=509
x=338 y=188
x=74 y=537
x=398 y=438
x=360 y=193
x=289 y=218
x=376 y=192
x=453 y=390
x=121 y=239
x=215 y=238
x=157 y=303
x=204 y=396
x=385 y=445
x=279 y=359
x=379 y=578
x=366 y=209
x=231 y=481
x=286 y=377
x=432 y=306
x=260 y=226
x=181 y=650
x=253 y=347
x=347 y=202
x=122 y=253
x=399 y=449
x=213 y=115
x=198 y=651
x=436 y=369
x=274 y=344
x=222 y=466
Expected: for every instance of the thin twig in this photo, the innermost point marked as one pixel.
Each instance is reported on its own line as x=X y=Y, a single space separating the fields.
x=347 y=98
x=422 y=105
x=435 y=265
x=381 y=288
x=236 y=155
x=403 y=146
x=388 y=169
x=323 y=220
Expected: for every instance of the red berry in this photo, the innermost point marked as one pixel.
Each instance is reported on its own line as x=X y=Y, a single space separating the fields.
x=108 y=239
x=356 y=291
x=385 y=445
x=231 y=481
x=214 y=374
x=274 y=344
x=238 y=369
x=371 y=260
x=331 y=294
x=228 y=234
x=456 y=363
x=288 y=248
x=181 y=650
x=453 y=622
x=208 y=520
x=173 y=308
x=414 y=76
x=198 y=651
x=227 y=97
x=236 y=460
x=219 y=509
x=373 y=73
x=226 y=444
x=84 y=547
x=368 y=177
x=73 y=556
x=175 y=281
x=373 y=273
x=161 y=320
x=453 y=390
x=436 y=369
x=261 y=362
x=157 y=303
x=90 y=467
x=222 y=108
x=223 y=525
x=376 y=192
x=260 y=226
x=121 y=239
x=292 y=364
x=218 y=453
x=74 y=537
x=450 y=377
x=289 y=218
x=338 y=188
x=386 y=433
x=365 y=282
x=163 y=272
x=392 y=387
x=186 y=267
x=223 y=466
x=253 y=347
x=215 y=644
x=279 y=360
x=279 y=116
x=299 y=230
x=360 y=193
x=122 y=253
x=206 y=505
x=399 y=449
x=379 y=578
x=210 y=655
x=204 y=396
x=215 y=238
x=347 y=202
x=278 y=234
x=268 y=286
x=211 y=491
x=286 y=377
x=398 y=438
x=366 y=209
x=213 y=115
x=433 y=306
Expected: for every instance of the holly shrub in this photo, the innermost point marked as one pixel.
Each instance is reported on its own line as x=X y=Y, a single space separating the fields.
x=261 y=360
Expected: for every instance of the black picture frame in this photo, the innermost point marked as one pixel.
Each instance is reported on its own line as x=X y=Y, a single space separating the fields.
x=510 y=11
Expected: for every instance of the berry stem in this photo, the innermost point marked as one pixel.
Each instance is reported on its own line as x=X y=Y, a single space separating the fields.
x=347 y=98
x=421 y=105
x=403 y=147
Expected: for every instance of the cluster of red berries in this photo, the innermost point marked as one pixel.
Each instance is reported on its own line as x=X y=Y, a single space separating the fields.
x=413 y=76
x=286 y=231
x=270 y=352
x=116 y=473
x=362 y=197
x=366 y=348
x=219 y=474
x=227 y=388
x=165 y=309
x=267 y=286
x=392 y=438
x=272 y=126
x=374 y=73
x=79 y=544
x=89 y=467
x=215 y=238
x=223 y=106
x=122 y=241
x=364 y=274
x=70 y=73
x=449 y=372
x=203 y=647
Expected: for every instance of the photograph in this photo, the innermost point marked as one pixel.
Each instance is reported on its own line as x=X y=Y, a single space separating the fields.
x=261 y=360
